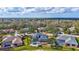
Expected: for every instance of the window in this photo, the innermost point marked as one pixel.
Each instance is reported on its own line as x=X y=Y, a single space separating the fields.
x=67 y=44
x=15 y=44
x=73 y=44
x=78 y=46
x=61 y=41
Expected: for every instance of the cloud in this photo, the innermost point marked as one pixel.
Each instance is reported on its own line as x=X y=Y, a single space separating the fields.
x=14 y=9
x=29 y=10
x=45 y=10
x=36 y=10
x=75 y=9
x=56 y=10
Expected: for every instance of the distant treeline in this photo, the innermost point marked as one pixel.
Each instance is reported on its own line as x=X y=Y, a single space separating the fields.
x=12 y=19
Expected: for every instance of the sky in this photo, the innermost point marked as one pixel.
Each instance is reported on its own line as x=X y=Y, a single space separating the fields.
x=21 y=9
x=39 y=12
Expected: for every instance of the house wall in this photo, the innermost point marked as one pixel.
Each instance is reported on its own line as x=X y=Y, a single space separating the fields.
x=70 y=46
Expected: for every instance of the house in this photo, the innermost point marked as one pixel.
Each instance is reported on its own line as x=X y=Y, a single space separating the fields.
x=72 y=28
x=39 y=39
x=61 y=29
x=67 y=40
x=48 y=34
x=59 y=33
x=8 y=31
x=11 y=41
x=41 y=29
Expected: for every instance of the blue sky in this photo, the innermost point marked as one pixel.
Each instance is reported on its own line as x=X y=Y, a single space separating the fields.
x=39 y=12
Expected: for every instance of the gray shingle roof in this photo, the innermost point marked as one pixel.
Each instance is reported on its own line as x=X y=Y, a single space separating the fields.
x=66 y=39
x=13 y=39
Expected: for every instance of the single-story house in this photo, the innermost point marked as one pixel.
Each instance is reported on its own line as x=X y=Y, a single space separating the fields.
x=48 y=34
x=11 y=41
x=59 y=33
x=67 y=40
x=41 y=29
x=39 y=37
x=8 y=31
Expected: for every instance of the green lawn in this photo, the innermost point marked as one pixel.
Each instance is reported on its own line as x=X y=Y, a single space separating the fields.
x=77 y=39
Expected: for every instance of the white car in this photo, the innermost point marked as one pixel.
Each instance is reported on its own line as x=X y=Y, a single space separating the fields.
x=35 y=44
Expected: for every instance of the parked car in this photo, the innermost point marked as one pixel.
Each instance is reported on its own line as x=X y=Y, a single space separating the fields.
x=35 y=44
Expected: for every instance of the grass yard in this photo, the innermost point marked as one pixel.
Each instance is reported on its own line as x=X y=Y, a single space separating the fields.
x=77 y=39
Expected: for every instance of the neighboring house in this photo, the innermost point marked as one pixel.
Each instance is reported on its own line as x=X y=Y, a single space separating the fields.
x=67 y=40
x=41 y=29
x=72 y=28
x=50 y=35
x=39 y=39
x=59 y=33
x=12 y=41
x=60 y=28
x=8 y=31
